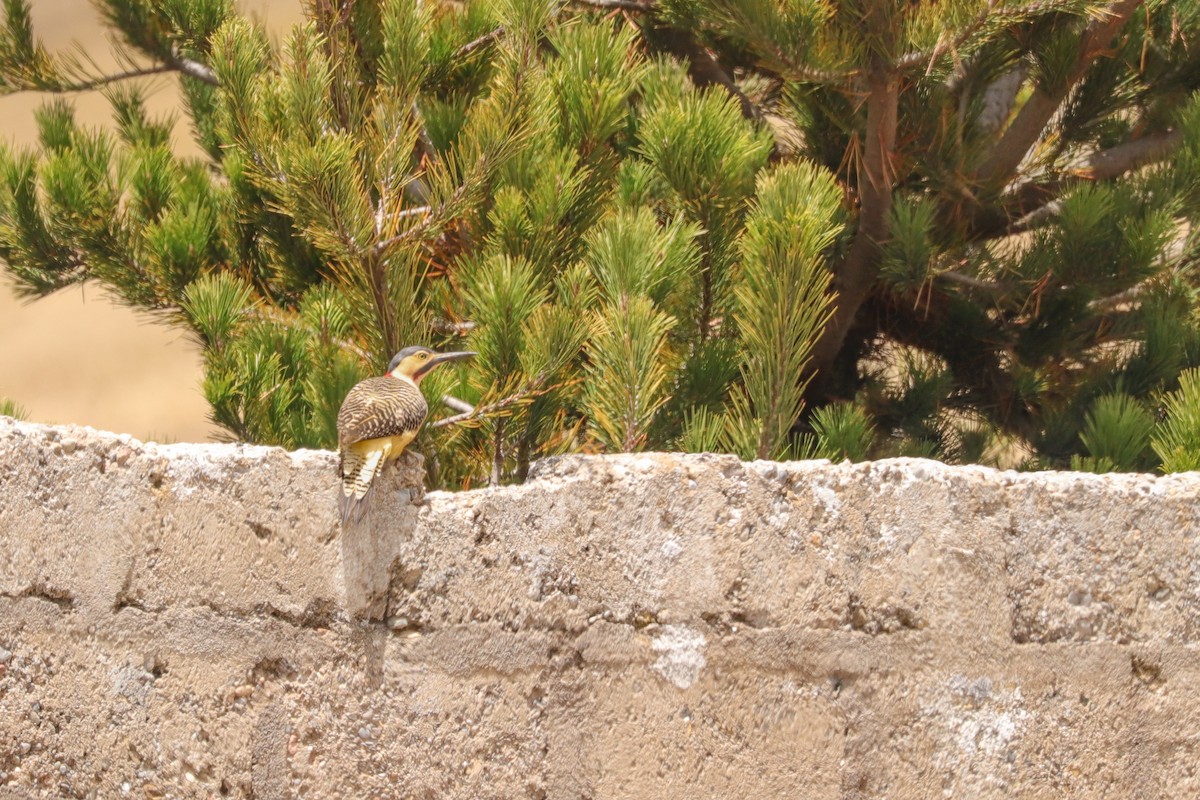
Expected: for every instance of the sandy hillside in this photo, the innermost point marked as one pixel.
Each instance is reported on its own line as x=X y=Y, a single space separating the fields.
x=77 y=356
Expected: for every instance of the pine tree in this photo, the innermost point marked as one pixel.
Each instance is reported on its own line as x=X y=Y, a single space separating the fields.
x=1024 y=183
x=776 y=229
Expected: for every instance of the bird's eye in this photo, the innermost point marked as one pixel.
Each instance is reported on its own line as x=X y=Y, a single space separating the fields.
x=424 y=356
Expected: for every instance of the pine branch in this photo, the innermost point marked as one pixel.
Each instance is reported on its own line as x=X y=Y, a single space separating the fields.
x=66 y=87
x=993 y=17
x=803 y=73
x=1022 y=206
x=856 y=275
x=1128 y=156
x=619 y=5
x=384 y=245
x=973 y=283
x=704 y=69
x=285 y=319
x=919 y=58
x=1040 y=108
x=404 y=213
x=193 y=69
x=185 y=66
x=998 y=100
x=531 y=392
x=1113 y=302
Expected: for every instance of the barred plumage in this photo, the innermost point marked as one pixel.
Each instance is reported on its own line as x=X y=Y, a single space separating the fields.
x=379 y=407
x=377 y=420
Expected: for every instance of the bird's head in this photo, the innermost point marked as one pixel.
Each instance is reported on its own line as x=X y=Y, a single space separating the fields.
x=416 y=362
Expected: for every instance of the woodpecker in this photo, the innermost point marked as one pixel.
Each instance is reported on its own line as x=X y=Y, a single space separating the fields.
x=377 y=420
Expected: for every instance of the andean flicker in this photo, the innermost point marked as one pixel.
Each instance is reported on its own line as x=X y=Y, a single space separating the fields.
x=378 y=419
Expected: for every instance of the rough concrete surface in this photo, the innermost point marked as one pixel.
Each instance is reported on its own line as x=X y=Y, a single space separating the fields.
x=187 y=621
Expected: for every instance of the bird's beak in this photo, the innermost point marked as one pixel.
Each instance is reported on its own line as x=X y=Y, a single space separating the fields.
x=439 y=358
x=443 y=357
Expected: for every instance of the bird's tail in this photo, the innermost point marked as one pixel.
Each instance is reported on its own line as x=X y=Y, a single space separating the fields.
x=358 y=483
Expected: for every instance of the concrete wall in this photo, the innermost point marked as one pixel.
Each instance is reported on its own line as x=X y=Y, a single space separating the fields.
x=188 y=621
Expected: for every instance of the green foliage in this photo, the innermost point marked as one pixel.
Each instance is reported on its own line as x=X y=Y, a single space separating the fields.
x=843 y=431
x=629 y=366
x=782 y=301
x=630 y=254
x=909 y=256
x=963 y=230
x=11 y=408
x=709 y=157
x=1116 y=432
x=270 y=377
x=592 y=79
x=215 y=305
x=1176 y=440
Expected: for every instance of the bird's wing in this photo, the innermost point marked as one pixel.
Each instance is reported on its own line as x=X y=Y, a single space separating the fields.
x=379 y=407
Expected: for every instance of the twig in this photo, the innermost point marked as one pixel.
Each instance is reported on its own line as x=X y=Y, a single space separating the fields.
x=1120 y=298
x=533 y=391
x=105 y=80
x=917 y=58
x=382 y=247
x=416 y=211
x=479 y=411
x=175 y=63
x=619 y=5
x=461 y=406
x=805 y=74
x=449 y=326
x=194 y=69
x=403 y=213
x=476 y=44
x=972 y=282
x=1034 y=218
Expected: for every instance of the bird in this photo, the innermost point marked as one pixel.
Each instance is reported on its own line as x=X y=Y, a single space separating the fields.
x=378 y=419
